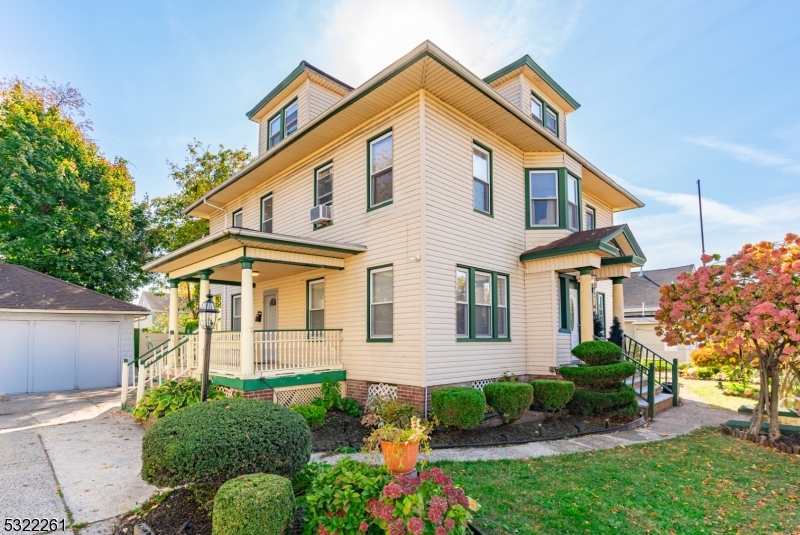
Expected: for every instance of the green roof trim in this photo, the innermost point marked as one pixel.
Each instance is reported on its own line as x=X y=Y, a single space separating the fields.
x=288 y=80
x=269 y=383
x=631 y=259
x=527 y=60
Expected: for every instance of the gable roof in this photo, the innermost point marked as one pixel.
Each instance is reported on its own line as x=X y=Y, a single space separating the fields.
x=527 y=61
x=300 y=69
x=603 y=240
x=644 y=287
x=26 y=289
x=156 y=303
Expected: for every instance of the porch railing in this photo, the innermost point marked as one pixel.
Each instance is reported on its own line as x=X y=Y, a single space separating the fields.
x=174 y=363
x=225 y=351
x=277 y=350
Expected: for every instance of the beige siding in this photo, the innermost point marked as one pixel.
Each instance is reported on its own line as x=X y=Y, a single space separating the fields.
x=320 y=99
x=302 y=114
x=512 y=91
x=527 y=87
x=456 y=235
x=537 y=237
x=605 y=217
x=541 y=321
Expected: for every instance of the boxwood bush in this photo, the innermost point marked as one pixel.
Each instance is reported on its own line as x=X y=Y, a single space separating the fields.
x=458 y=406
x=621 y=399
x=209 y=443
x=255 y=504
x=597 y=352
x=598 y=377
x=313 y=414
x=510 y=400
x=551 y=395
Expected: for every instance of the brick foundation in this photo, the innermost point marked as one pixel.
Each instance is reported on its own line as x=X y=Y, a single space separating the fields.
x=255 y=394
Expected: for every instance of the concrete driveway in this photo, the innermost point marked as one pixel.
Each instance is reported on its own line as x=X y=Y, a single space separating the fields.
x=69 y=454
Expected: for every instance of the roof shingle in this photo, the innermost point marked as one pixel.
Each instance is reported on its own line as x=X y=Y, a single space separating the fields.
x=645 y=288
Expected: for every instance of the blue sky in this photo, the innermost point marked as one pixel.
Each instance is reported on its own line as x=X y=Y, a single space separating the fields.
x=670 y=91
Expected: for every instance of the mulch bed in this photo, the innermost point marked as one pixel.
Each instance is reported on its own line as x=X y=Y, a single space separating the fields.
x=170 y=516
x=341 y=431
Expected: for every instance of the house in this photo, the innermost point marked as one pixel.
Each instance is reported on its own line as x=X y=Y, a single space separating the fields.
x=427 y=228
x=642 y=301
x=157 y=304
x=59 y=336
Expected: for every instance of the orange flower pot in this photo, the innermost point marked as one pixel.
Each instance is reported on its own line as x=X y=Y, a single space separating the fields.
x=400 y=459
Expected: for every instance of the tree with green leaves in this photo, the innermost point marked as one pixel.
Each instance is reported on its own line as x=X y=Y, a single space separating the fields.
x=66 y=210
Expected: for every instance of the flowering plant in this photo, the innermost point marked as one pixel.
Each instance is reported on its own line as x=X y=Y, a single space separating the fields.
x=427 y=504
x=418 y=432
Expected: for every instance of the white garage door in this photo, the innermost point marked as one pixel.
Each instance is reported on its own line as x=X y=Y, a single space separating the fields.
x=49 y=356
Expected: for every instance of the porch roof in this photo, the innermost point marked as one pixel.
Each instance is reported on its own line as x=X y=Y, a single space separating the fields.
x=221 y=250
x=616 y=245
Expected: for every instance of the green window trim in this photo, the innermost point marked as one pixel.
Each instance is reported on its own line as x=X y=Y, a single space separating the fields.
x=281 y=115
x=370 y=206
x=495 y=316
x=486 y=149
x=308 y=301
x=261 y=212
x=579 y=201
x=562 y=219
x=316 y=173
x=565 y=282
x=233 y=218
x=370 y=338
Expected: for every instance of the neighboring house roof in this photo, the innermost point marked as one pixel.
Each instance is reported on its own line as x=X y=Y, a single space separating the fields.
x=156 y=303
x=602 y=240
x=645 y=286
x=300 y=69
x=526 y=61
x=26 y=289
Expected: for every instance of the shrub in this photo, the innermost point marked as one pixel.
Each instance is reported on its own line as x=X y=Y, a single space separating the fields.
x=171 y=396
x=705 y=373
x=331 y=395
x=510 y=400
x=598 y=377
x=218 y=440
x=508 y=377
x=255 y=504
x=684 y=365
x=458 y=406
x=621 y=399
x=312 y=414
x=336 y=501
x=597 y=352
x=552 y=395
x=394 y=413
x=615 y=334
x=303 y=479
x=350 y=406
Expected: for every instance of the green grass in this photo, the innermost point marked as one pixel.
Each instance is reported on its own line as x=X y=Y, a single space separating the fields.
x=708 y=392
x=704 y=482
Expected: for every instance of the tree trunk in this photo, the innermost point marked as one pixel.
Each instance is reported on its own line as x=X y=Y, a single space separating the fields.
x=774 y=430
x=758 y=412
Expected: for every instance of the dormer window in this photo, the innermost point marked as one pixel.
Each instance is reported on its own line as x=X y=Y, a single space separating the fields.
x=274 y=131
x=290 y=114
x=551 y=121
x=283 y=124
x=537 y=109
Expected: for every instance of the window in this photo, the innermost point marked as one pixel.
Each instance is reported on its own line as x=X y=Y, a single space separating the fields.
x=544 y=198
x=591 y=218
x=536 y=108
x=323 y=185
x=380 y=289
x=274 y=131
x=564 y=283
x=462 y=303
x=290 y=119
x=481 y=179
x=601 y=311
x=573 y=212
x=266 y=213
x=551 y=120
x=481 y=305
x=237 y=219
x=316 y=304
x=380 y=170
x=236 y=312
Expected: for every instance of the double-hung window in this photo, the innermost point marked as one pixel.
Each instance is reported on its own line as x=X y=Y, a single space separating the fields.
x=381 y=160
x=323 y=185
x=537 y=109
x=266 y=213
x=591 y=218
x=274 y=131
x=481 y=305
x=316 y=304
x=573 y=211
x=481 y=179
x=283 y=124
x=290 y=119
x=543 y=187
x=236 y=312
x=237 y=220
x=380 y=291
x=551 y=120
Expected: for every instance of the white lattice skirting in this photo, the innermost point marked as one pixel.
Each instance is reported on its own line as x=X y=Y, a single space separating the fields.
x=381 y=391
x=483 y=382
x=300 y=395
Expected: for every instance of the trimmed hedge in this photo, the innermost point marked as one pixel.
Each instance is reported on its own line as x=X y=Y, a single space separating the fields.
x=313 y=414
x=551 y=395
x=597 y=352
x=510 y=400
x=458 y=406
x=589 y=403
x=214 y=441
x=255 y=504
x=598 y=377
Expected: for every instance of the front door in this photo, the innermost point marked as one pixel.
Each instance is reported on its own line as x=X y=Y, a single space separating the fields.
x=269 y=350
x=574 y=326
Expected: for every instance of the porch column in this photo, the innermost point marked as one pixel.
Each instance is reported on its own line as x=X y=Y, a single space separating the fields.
x=205 y=288
x=173 y=313
x=619 y=301
x=247 y=336
x=587 y=309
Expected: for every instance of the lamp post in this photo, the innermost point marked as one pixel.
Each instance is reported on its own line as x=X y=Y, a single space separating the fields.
x=208 y=316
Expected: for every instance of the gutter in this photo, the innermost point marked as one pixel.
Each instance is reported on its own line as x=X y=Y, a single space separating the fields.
x=205 y=201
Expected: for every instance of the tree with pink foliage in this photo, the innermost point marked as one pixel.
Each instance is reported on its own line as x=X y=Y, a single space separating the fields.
x=754 y=296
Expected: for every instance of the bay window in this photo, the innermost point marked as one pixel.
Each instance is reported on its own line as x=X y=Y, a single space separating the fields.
x=543 y=188
x=481 y=305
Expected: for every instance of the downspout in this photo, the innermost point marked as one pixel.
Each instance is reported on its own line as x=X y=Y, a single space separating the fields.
x=205 y=201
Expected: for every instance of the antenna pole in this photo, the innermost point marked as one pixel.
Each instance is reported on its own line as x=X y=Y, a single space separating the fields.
x=700 y=203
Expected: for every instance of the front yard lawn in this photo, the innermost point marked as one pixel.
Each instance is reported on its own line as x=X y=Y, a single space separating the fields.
x=708 y=392
x=704 y=482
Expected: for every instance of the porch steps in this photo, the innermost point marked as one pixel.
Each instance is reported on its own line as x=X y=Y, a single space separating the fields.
x=663 y=402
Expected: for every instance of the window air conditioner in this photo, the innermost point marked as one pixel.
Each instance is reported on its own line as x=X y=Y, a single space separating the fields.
x=322 y=213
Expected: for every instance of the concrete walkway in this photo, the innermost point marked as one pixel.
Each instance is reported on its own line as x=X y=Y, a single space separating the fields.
x=669 y=424
x=70 y=453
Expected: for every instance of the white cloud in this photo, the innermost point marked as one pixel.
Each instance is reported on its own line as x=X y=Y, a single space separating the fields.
x=746 y=154
x=361 y=37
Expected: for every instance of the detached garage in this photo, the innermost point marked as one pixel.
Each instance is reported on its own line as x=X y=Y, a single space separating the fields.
x=58 y=336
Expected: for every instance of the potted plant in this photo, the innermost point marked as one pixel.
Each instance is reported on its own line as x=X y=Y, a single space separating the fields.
x=400 y=446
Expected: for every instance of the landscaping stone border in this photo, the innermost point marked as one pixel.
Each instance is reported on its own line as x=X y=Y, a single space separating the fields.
x=761 y=440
